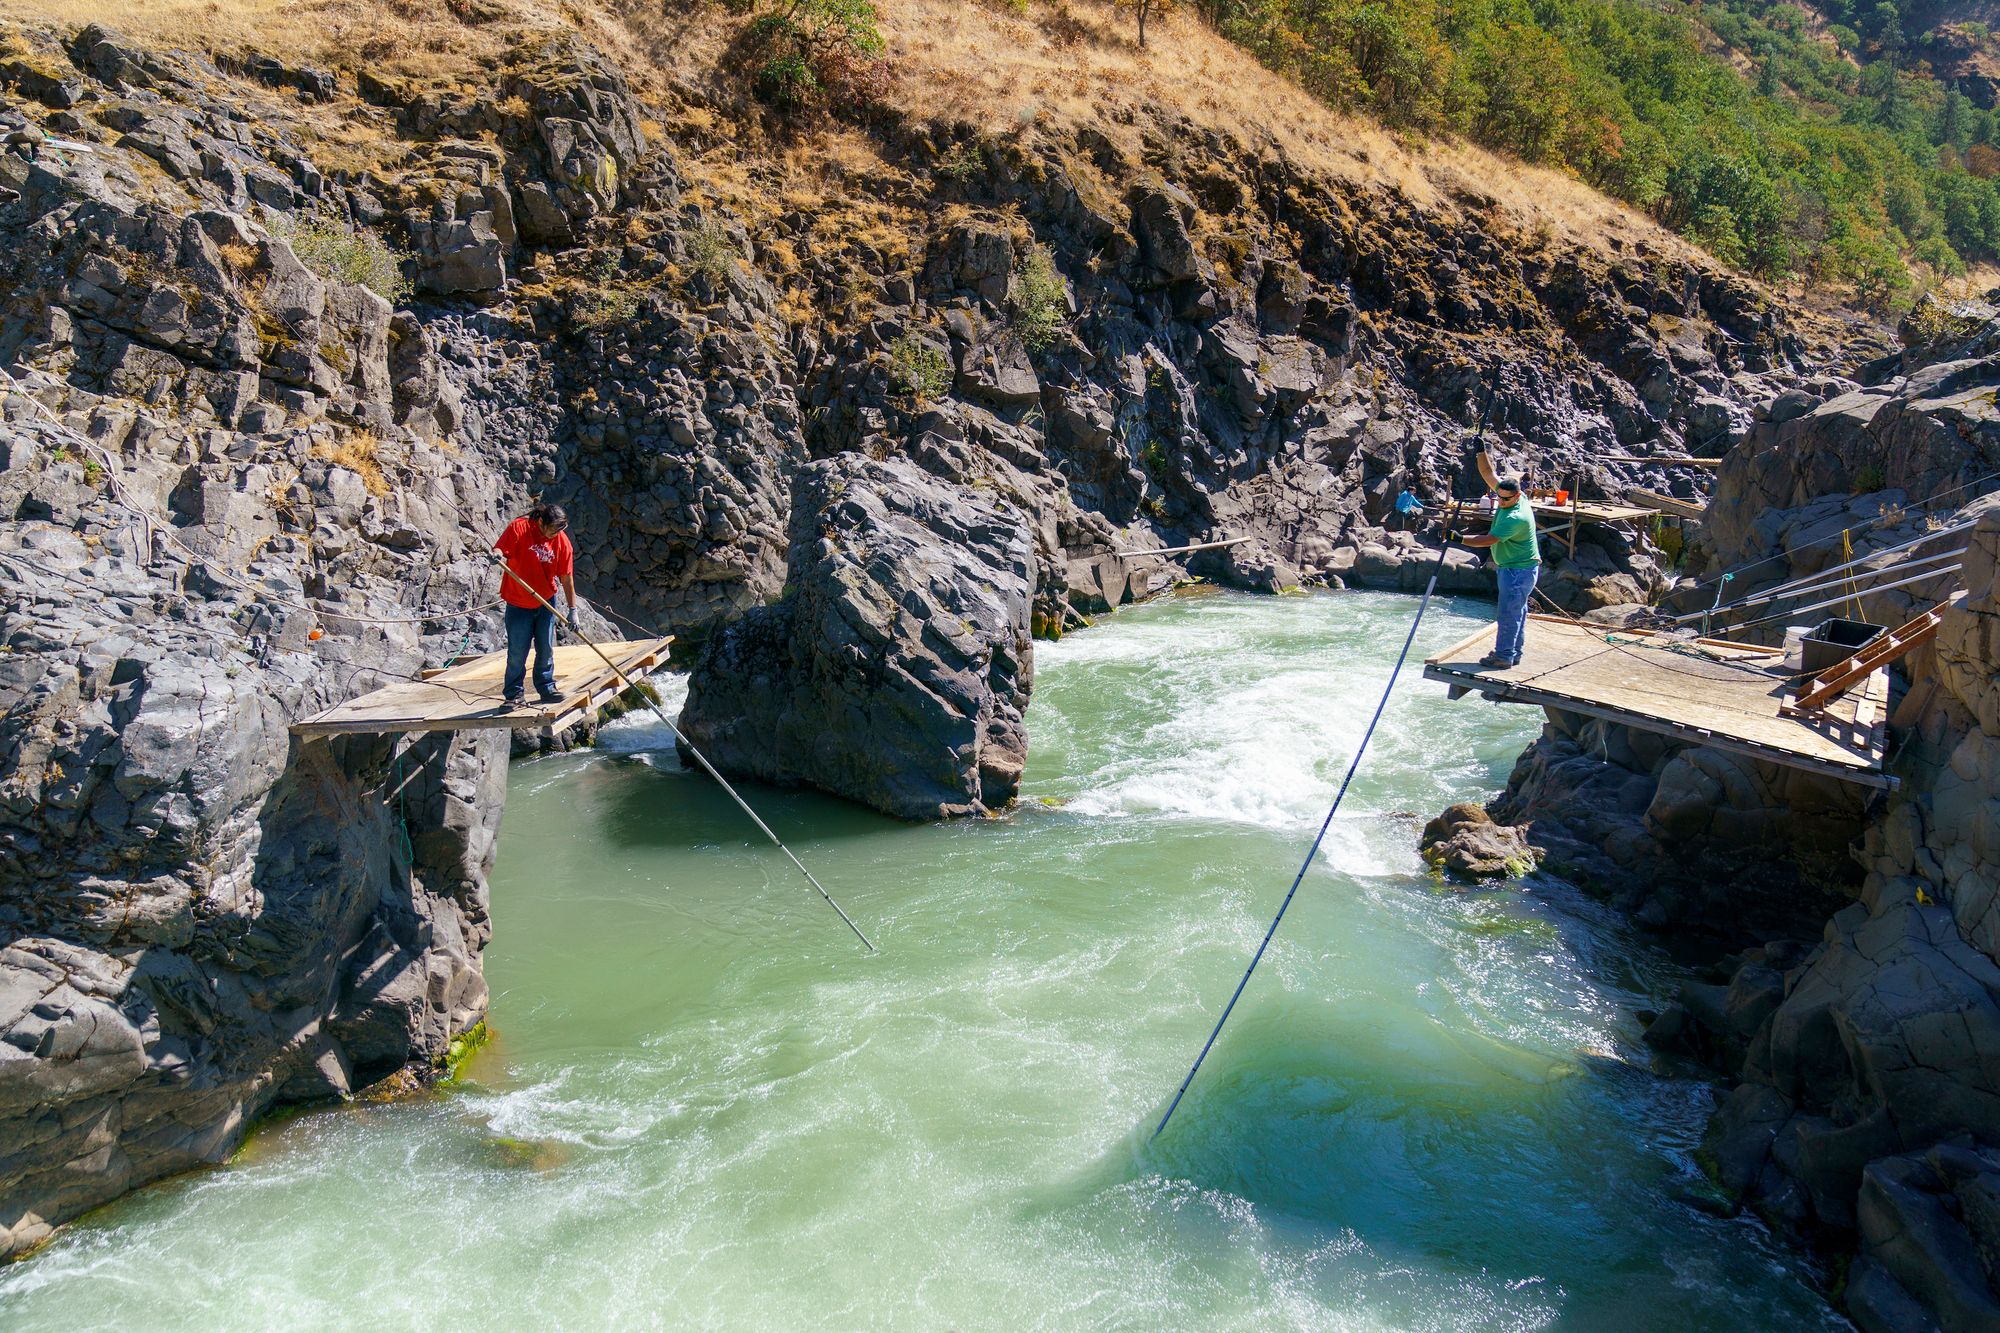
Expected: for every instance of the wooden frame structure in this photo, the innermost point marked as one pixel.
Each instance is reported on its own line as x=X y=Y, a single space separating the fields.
x=1579 y=512
x=1706 y=691
x=467 y=696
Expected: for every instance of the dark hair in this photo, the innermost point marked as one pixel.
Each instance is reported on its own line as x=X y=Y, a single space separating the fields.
x=550 y=516
x=1508 y=484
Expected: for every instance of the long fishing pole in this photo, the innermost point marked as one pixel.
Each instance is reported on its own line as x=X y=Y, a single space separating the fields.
x=1430 y=586
x=700 y=758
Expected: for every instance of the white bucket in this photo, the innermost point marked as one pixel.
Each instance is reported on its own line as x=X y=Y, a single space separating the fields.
x=1795 y=647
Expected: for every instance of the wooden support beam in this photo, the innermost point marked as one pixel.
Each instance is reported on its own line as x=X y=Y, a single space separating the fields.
x=1666 y=504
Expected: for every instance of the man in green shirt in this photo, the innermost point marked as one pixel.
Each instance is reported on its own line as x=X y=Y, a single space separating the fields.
x=1511 y=538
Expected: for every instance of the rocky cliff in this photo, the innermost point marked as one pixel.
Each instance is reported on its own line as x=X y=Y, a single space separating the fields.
x=864 y=402
x=232 y=498
x=1865 y=1063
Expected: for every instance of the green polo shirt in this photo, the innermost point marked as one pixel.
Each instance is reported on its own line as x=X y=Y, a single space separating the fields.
x=1514 y=525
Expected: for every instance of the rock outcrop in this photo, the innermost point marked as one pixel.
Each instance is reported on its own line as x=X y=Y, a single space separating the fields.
x=226 y=506
x=1866 y=1063
x=1465 y=842
x=897 y=664
x=201 y=915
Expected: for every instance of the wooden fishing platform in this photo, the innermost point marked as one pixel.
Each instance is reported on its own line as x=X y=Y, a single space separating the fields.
x=1706 y=691
x=467 y=696
x=1555 y=519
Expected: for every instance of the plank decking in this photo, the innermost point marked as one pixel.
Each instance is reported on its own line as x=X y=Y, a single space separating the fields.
x=1732 y=702
x=467 y=696
x=1660 y=502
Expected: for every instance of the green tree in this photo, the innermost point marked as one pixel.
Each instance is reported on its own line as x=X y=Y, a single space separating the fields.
x=1951 y=125
x=1530 y=93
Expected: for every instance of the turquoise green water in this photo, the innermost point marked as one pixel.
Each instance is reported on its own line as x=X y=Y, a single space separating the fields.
x=708 y=1108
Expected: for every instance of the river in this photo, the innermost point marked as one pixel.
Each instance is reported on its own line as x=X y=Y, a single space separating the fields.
x=706 y=1106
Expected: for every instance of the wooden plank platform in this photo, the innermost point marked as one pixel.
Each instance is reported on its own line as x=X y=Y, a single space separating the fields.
x=1591 y=511
x=1732 y=704
x=1570 y=518
x=467 y=695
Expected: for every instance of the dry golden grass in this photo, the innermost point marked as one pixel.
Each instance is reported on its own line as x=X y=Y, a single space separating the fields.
x=414 y=38
x=357 y=452
x=999 y=72
x=988 y=68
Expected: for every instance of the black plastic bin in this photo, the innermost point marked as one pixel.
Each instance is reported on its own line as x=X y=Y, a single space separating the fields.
x=1834 y=641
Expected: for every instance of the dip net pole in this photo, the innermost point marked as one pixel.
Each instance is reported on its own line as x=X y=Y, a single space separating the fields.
x=1313 y=851
x=700 y=758
x=1381 y=705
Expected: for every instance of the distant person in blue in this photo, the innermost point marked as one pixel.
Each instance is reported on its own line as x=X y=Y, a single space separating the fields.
x=1511 y=538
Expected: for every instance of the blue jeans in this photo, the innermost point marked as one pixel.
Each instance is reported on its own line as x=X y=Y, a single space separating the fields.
x=527 y=625
x=1515 y=587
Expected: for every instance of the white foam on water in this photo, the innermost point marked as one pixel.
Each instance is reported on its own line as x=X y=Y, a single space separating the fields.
x=640 y=731
x=1225 y=719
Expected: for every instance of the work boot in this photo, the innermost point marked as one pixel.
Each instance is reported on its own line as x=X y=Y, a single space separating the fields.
x=513 y=700
x=1494 y=661
x=548 y=696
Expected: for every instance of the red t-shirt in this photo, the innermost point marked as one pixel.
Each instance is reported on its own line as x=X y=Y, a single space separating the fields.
x=537 y=559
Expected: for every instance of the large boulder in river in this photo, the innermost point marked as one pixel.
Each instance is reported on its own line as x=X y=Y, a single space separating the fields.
x=895 y=668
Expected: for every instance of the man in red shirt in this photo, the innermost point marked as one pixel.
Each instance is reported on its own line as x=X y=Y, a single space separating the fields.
x=538 y=554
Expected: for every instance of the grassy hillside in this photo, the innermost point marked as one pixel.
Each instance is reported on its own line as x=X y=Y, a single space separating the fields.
x=1753 y=133
x=1785 y=140
x=991 y=71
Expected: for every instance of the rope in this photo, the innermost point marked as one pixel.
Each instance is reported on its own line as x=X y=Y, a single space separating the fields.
x=407 y=846
x=1847 y=556
x=1898 y=513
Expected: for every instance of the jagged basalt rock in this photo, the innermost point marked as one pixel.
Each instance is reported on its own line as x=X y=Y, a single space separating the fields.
x=1930 y=1232
x=202 y=916
x=1465 y=842
x=1868 y=1063
x=896 y=666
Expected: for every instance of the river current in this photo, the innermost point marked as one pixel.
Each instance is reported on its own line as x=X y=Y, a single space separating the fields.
x=705 y=1106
